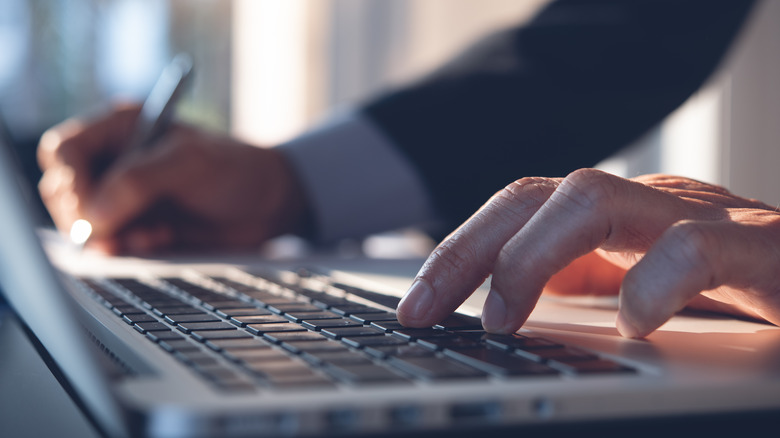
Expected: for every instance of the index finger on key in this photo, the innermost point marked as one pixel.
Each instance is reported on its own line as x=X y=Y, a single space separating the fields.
x=464 y=259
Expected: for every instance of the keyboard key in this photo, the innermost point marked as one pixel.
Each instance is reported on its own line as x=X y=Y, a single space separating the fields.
x=388 y=325
x=309 y=316
x=561 y=354
x=381 y=339
x=458 y=321
x=136 y=318
x=442 y=342
x=368 y=318
x=127 y=309
x=339 y=332
x=382 y=299
x=112 y=301
x=318 y=324
x=297 y=306
x=267 y=299
x=321 y=345
x=219 y=334
x=248 y=342
x=342 y=357
x=153 y=303
x=516 y=341
x=278 y=337
x=435 y=368
x=476 y=335
x=326 y=301
x=187 y=327
x=178 y=309
x=405 y=350
x=144 y=327
x=313 y=294
x=224 y=304
x=163 y=336
x=242 y=311
x=423 y=333
x=259 y=329
x=191 y=317
x=347 y=309
x=243 y=321
x=499 y=362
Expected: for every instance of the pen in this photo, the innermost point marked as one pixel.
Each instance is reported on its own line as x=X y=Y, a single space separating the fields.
x=155 y=117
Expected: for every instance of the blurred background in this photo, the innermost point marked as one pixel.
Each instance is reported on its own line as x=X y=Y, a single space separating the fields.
x=265 y=69
x=268 y=69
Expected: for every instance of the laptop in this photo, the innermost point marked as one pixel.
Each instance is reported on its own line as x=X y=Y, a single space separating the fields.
x=158 y=349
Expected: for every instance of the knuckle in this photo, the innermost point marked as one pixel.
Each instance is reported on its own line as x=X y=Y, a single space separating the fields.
x=517 y=201
x=50 y=147
x=589 y=189
x=588 y=197
x=530 y=192
x=46 y=147
x=59 y=138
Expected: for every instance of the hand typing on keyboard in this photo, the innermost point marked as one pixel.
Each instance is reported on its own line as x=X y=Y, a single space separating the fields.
x=662 y=242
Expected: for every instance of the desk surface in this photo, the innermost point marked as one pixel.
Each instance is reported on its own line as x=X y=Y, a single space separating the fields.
x=32 y=402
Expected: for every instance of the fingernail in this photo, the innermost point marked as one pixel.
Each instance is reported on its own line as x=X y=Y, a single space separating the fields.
x=626 y=329
x=417 y=302
x=494 y=313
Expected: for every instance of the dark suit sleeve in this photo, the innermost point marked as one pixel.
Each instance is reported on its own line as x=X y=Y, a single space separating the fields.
x=578 y=82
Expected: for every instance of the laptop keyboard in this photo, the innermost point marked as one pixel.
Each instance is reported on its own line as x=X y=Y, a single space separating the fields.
x=303 y=330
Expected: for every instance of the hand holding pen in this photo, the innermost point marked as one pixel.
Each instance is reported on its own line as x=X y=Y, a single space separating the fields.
x=193 y=189
x=155 y=117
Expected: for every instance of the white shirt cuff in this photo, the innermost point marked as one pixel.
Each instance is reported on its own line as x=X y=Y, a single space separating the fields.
x=358 y=183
